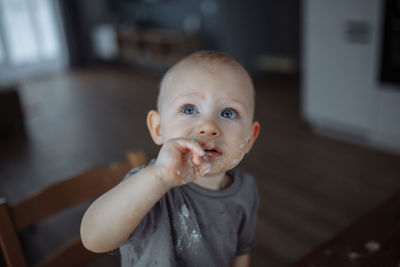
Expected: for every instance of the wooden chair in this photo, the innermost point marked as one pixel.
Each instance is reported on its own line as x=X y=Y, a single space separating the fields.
x=55 y=198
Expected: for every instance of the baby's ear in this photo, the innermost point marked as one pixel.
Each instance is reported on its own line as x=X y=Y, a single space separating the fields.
x=255 y=131
x=154 y=125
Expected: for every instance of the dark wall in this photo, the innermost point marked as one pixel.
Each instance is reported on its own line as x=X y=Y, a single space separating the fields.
x=244 y=29
x=77 y=32
x=259 y=27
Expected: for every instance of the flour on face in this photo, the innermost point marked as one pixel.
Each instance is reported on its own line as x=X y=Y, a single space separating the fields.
x=188 y=235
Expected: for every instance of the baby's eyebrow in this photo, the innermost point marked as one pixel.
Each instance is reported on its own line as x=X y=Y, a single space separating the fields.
x=191 y=94
x=240 y=103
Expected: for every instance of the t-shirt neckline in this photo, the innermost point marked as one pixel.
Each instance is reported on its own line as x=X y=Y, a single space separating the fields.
x=230 y=190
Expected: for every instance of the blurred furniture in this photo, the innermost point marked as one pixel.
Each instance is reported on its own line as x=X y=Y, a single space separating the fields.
x=53 y=199
x=373 y=240
x=11 y=115
x=153 y=48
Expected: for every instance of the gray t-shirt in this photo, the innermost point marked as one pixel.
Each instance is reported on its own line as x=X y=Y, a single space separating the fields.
x=192 y=226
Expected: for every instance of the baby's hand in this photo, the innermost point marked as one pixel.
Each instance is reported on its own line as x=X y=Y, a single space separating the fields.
x=180 y=161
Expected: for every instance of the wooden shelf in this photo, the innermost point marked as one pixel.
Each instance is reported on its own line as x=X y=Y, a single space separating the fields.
x=154 y=48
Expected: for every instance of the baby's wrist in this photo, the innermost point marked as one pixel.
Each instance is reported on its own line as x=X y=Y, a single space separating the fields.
x=159 y=178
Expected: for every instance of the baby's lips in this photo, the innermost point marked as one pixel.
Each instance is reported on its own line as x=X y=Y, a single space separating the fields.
x=205 y=143
x=211 y=149
x=213 y=153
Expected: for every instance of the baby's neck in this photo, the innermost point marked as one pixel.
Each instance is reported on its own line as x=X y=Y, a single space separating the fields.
x=215 y=182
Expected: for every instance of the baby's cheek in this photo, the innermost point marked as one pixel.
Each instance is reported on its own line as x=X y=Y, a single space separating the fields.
x=235 y=153
x=237 y=157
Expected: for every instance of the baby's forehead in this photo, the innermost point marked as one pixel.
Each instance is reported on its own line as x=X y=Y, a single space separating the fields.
x=185 y=69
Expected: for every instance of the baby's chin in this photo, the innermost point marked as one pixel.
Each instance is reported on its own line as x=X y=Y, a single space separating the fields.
x=222 y=165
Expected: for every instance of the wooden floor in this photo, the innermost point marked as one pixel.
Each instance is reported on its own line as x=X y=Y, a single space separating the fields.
x=311 y=187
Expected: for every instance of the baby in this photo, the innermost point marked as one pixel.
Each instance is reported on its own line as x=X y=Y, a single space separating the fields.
x=189 y=207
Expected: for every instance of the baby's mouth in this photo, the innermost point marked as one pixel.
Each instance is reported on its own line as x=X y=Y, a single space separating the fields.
x=212 y=153
x=211 y=150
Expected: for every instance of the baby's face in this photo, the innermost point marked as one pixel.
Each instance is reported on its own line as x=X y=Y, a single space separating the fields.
x=214 y=107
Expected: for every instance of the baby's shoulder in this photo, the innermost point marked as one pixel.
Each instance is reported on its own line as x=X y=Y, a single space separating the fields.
x=245 y=181
x=243 y=177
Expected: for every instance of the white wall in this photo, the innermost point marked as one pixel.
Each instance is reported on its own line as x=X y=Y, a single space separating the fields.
x=341 y=94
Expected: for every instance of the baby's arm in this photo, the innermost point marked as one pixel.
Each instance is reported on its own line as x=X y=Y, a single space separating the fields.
x=110 y=220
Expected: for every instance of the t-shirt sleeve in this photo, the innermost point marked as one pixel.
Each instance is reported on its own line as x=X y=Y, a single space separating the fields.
x=136 y=169
x=246 y=238
x=132 y=172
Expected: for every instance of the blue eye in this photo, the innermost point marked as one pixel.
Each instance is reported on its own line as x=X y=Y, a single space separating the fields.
x=189 y=109
x=229 y=113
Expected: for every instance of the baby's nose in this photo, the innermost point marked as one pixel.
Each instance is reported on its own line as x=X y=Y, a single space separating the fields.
x=208 y=128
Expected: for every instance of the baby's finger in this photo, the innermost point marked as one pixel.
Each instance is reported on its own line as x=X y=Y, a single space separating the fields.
x=204 y=168
x=194 y=147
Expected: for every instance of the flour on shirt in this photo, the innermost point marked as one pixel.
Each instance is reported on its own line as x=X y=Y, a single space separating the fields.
x=188 y=234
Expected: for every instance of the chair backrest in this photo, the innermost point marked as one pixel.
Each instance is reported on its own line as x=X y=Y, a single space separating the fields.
x=55 y=198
